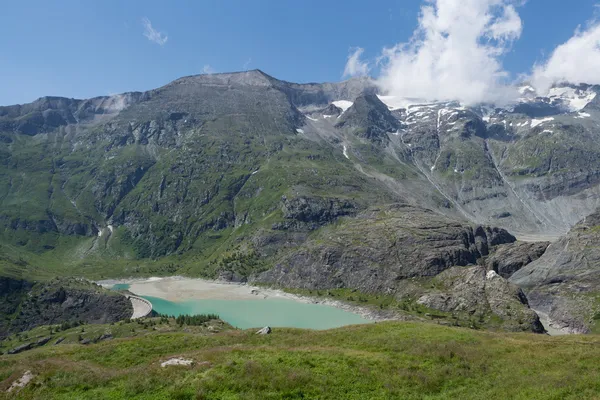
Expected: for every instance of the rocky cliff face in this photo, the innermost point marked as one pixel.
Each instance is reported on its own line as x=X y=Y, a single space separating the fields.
x=26 y=305
x=564 y=282
x=381 y=247
x=508 y=259
x=482 y=294
x=384 y=249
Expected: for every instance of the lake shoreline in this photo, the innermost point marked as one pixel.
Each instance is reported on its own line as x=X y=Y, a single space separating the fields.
x=179 y=289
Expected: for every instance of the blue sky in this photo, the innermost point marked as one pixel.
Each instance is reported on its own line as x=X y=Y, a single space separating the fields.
x=82 y=48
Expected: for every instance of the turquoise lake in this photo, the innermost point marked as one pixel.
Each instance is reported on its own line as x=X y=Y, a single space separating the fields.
x=246 y=314
x=120 y=286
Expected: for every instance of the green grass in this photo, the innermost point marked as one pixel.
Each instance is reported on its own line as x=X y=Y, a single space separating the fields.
x=124 y=329
x=377 y=361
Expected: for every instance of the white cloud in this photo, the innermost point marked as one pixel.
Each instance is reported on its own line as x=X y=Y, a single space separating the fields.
x=575 y=61
x=247 y=64
x=208 y=69
x=455 y=53
x=354 y=65
x=152 y=34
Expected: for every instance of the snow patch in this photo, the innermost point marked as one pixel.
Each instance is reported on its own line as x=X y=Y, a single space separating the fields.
x=312 y=119
x=110 y=228
x=346 y=152
x=491 y=274
x=583 y=115
x=536 y=122
x=397 y=102
x=526 y=89
x=343 y=104
x=546 y=131
x=300 y=130
x=575 y=99
x=487 y=113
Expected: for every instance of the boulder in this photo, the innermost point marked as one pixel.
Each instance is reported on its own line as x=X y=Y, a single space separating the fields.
x=177 y=361
x=264 y=331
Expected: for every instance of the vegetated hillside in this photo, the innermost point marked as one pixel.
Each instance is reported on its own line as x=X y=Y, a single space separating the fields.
x=376 y=361
x=235 y=175
x=25 y=304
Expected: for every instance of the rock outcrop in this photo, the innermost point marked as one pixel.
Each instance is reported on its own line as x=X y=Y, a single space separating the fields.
x=564 y=283
x=58 y=301
x=482 y=294
x=509 y=258
x=369 y=118
x=382 y=246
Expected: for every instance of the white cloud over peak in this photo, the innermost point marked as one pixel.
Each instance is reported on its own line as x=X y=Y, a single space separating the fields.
x=152 y=34
x=354 y=65
x=575 y=61
x=208 y=69
x=455 y=53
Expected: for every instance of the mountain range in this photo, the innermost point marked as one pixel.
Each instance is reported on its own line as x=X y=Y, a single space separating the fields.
x=316 y=186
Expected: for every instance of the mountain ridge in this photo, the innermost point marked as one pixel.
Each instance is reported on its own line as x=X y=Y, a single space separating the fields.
x=230 y=174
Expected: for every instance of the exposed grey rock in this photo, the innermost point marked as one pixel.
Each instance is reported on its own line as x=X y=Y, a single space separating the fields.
x=43 y=341
x=313 y=212
x=58 y=301
x=478 y=292
x=380 y=247
x=105 y=336
x=21 y=382
x=369 y=118
x=564 y=282
x=177 y=361
x=332 y=110
x=509 y=258
x=21 y=348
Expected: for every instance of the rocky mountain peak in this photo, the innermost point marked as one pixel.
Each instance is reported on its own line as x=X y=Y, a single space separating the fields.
x=256 y=78
x=370 y=118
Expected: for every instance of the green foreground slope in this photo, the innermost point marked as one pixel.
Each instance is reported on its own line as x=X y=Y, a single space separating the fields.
x=377 y=361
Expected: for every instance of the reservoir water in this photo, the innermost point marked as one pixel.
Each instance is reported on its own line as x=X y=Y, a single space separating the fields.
x=239 y=305
x=246 y=314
